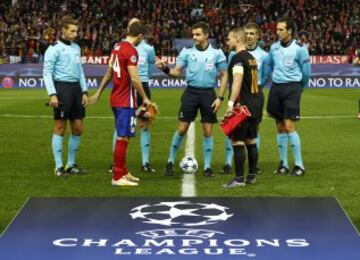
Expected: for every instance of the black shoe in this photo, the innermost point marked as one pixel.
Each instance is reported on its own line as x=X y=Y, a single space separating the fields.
x=251 y=178
x=110 y=170
x=208 y=172
x=281 y=170
x=60 y=172
x=235 y=183
x=75 y=170
x=147 y=168
x=258 y=170
x=226 y=169
x=297 y=171
x=169 y=169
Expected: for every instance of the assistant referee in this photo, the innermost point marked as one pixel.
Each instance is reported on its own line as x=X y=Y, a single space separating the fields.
x=65 y=84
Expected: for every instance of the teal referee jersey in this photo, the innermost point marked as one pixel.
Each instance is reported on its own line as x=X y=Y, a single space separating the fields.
x=62 y=62
x=146 y=61
x=202 y=66
x=290 y=63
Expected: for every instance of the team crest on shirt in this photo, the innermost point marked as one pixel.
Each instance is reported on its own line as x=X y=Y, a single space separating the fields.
x=133 y=59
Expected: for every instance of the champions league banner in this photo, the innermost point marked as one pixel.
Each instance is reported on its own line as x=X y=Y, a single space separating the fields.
x=30 y=76
x=192 y=228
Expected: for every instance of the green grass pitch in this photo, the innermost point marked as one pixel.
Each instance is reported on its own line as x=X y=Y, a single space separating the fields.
x=329 y=134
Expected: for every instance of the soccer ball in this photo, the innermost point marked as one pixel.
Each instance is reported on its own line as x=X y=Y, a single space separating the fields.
x=188 y=164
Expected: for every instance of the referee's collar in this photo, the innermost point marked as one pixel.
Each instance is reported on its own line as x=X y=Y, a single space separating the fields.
x=65 y=41
x=253 y=49
x=200 y=49
x=286 y=44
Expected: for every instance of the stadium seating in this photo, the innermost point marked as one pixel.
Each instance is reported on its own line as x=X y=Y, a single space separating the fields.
x=326 y=27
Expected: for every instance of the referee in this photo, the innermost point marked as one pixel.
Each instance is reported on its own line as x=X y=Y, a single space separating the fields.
x=291 y=69
x=65 y=84
x=202 y=62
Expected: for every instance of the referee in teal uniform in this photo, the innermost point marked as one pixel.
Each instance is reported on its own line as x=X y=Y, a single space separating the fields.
x=202 y=62
x=65 y=84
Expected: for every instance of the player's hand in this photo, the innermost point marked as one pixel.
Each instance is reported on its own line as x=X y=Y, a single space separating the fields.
x=149 y=113
x=229 y=112
x=161 y=64
x=54 y=101
x=216 y=105
x=146 y=102
x=94 y=98
x=85 y=100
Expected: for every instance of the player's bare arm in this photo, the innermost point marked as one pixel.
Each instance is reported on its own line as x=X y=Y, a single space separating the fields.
x=223 y=83
x=235 y=91
x=104 y=82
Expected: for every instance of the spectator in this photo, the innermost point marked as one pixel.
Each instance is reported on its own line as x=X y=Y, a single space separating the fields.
x=104 y=22
x=356 y=60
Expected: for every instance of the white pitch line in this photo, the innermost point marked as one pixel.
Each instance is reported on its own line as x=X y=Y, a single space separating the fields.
x=88 y=117
x=164 y=117
x=22 y=98
x=188 y=183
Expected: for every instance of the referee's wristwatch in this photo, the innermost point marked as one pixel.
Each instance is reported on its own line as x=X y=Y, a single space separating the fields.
x=221 y=98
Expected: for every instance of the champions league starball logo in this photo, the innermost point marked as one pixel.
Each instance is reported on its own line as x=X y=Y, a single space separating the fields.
x=181 y=218
x=180 y=214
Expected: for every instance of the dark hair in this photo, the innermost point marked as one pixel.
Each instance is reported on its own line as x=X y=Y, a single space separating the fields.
x=252 y=25
x=149 y=38
x=136 y=29
x=203 y=26
x=68 y=20
x=290 y=25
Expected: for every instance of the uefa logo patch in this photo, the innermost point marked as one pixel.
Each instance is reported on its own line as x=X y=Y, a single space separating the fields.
x=7 y=82
x=133 y=59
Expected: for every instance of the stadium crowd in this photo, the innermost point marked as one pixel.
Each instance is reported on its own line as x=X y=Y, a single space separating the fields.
x=326 y=27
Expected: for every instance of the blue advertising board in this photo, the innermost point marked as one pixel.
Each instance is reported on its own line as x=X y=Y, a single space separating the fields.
x=30 y=76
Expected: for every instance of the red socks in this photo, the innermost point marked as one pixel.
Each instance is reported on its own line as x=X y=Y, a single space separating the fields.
x=120 y=159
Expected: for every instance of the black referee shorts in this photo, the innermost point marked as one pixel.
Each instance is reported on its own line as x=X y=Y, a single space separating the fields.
x=194 y=99
x=284 y=101
x=146 y=88
x=70 y=101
